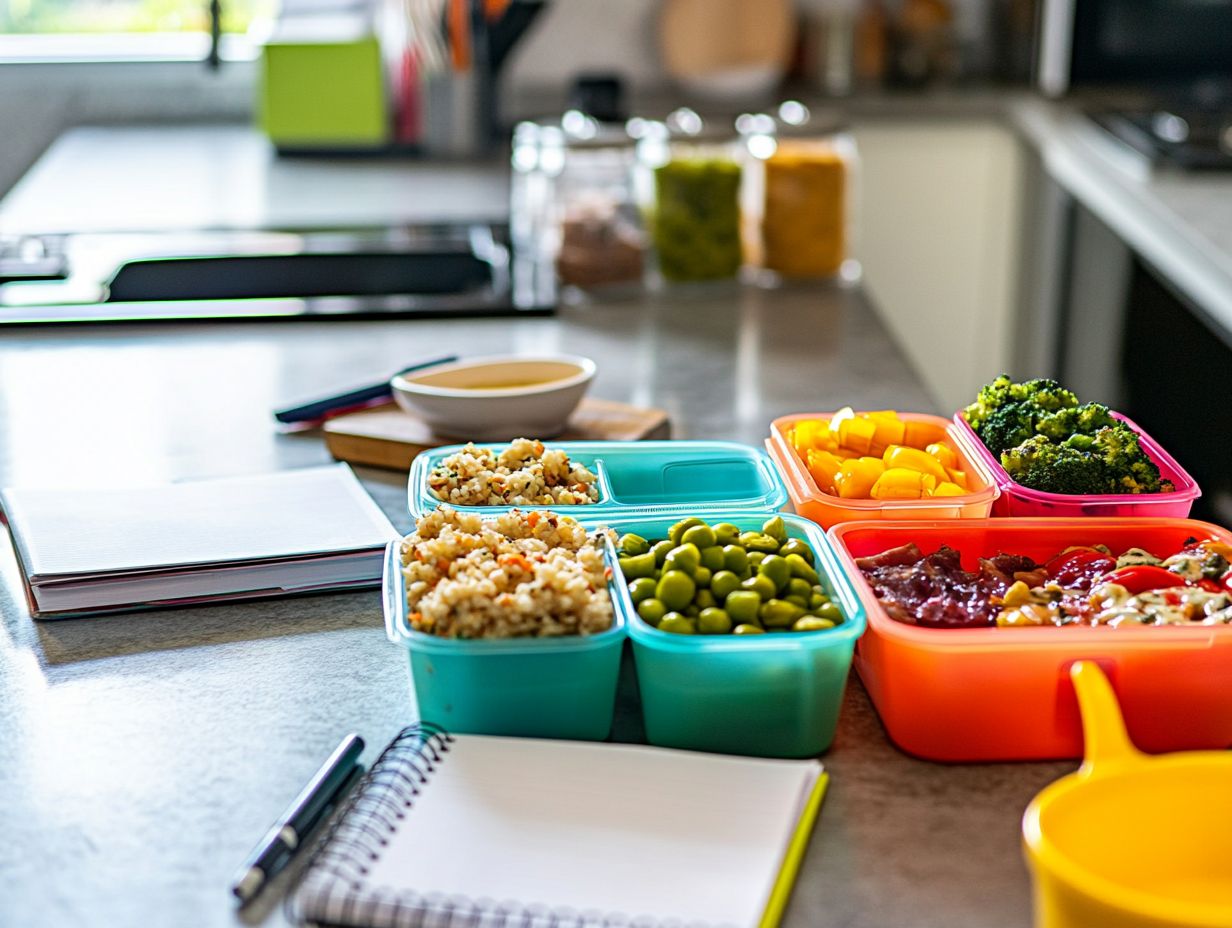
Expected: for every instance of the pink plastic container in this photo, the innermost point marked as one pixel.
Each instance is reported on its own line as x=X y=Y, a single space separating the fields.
x=1017 y=500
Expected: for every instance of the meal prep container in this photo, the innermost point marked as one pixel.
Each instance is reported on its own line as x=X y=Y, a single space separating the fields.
x=991 y=694
x=826 y=509
x=640 y=477
x=773 y=695
x=560 y=687
x=1131 y=840
x=1017 y=500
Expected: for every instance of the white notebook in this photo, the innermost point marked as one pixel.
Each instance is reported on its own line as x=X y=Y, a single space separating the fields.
x=496 y=831
x=89 y=551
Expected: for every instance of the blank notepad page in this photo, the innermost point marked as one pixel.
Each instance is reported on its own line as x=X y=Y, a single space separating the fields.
x=667 y=835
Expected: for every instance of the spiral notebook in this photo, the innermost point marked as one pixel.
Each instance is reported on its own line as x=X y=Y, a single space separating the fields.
x=492 y=832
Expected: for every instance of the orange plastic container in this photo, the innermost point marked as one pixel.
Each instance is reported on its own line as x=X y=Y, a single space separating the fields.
x=985 y=694
x=826 y=509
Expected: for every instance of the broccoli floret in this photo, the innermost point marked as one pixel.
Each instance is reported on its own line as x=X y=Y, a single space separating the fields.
x=1010 y=425
x=1042 y=465
x=1075 y=420
x=992 y=397
x=1044 y=396
x=1128 y=466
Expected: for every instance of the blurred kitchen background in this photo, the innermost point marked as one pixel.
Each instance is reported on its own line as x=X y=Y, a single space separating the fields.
x=1036 y=186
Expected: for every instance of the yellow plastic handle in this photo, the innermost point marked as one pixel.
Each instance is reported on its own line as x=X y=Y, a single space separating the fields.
x=1103 y=728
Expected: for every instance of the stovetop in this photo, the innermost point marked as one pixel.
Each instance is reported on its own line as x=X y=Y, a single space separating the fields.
x=1191 y=138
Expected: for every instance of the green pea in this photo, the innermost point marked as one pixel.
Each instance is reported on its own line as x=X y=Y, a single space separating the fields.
x=702 y=577
x=651 y=611
x=677 y=531
x=816 y=601
x=736 y=559
x=762 y=585
x=757 y=541
x=830 y=611
x=778 y=613
x=642 y=565
x=748 y=630
x=678 y=624
x=755 y=558
x=714 y=622
x=660 y=551
x=700 y=535
x=722 y=583
x=811 y=623
x=691 y=610
x=798 y=600
x=642 y=589
x=801 y=588
x=775 y=529
x=796 y=546
x=725 y=533
x=777 y=569
x=704 y=599
x=675 y=589
x=632 y=545
x=712 y=557
x=742 y=606
x=800 y=568
x=686 y=558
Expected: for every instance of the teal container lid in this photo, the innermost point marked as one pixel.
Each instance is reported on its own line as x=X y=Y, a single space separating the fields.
x=641 y=478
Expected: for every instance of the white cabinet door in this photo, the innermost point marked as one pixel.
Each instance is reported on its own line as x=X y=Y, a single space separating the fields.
x=938 y=237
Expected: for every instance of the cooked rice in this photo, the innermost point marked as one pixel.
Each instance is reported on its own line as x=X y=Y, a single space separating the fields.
x=523 y=574
x=524 y=474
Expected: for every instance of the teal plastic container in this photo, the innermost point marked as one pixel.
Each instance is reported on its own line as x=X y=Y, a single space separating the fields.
x=772 y=695
x=641 y=478
x=561 y=687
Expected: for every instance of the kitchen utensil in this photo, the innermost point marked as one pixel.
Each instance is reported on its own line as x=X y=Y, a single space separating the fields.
x=1130 y=840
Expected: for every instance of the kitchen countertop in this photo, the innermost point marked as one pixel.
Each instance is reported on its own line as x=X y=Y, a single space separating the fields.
x=169 y=177
x=142 y=756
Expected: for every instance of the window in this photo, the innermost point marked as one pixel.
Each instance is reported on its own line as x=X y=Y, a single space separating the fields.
x=59 y=17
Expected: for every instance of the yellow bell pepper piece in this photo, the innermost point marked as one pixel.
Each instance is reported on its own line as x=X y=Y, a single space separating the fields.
x=856 y=477
x=811 y=433
x=957 y=476
x=943 y=453
x=889 y=430
x=823 y=466
x=945 y=488
x=857 y=434
x=921 y=434
x=914 y=459
x=836 y=421
x=901 y=483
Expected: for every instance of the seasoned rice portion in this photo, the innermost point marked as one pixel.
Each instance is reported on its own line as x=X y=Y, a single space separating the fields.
x=524 y=474
x=525 y=574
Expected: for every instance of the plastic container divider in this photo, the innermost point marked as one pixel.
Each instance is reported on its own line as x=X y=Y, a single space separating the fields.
x=827 y=509
x=1017 y=500
x=641 y=477
x=995 y=694
x=561 y=687
x=775 y=695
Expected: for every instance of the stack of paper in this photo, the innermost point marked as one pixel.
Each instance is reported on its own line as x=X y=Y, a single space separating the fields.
x=89 y=551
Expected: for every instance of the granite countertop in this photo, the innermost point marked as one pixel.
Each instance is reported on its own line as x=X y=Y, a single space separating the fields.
x=142 y=756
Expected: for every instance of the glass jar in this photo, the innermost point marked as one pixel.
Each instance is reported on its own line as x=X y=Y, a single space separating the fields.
x=601 y=239
x=695 y=207
x=803 y=178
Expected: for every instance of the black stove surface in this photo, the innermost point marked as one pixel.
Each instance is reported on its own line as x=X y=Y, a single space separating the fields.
x=1192 y=138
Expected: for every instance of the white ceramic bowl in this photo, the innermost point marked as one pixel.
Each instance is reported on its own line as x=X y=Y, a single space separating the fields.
x=496 y=398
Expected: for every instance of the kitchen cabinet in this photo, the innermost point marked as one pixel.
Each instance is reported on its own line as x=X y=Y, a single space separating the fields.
x=939 y=238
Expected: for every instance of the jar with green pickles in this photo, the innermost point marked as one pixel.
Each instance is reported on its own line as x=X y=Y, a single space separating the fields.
x=696 y=212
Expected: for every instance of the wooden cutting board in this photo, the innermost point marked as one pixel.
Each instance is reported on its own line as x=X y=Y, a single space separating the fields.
x=385 y=436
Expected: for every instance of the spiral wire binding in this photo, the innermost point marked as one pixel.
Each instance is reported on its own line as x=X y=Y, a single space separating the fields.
x=330 y=890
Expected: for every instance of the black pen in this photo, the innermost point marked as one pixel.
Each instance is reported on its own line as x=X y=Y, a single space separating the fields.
x=287 y=834
x=312 y=411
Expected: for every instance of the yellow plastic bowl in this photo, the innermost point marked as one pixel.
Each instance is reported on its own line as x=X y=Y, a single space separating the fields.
x=1131 y=840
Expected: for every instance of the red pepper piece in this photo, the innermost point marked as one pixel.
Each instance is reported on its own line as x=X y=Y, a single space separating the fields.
x=1079 y=569
x=1139 y=578
x=1226 y=582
